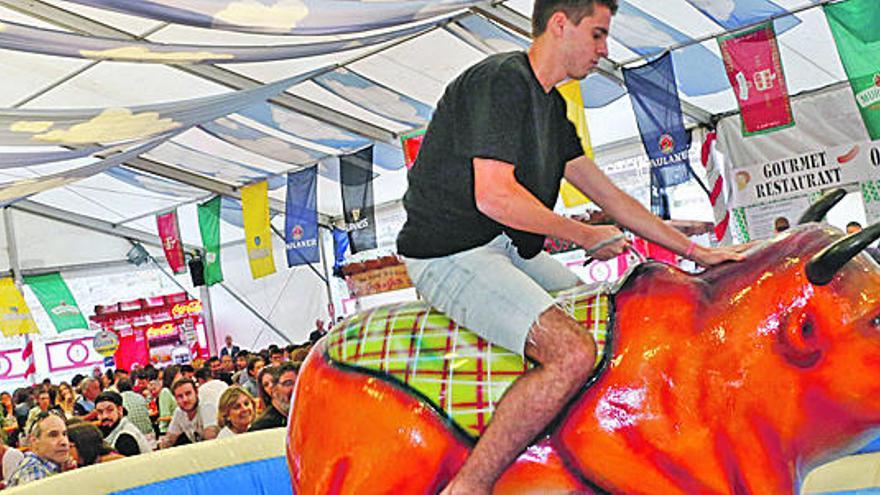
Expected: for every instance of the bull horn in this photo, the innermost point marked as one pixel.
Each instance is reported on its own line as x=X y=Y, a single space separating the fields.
x=817 y=211
x=824 y=265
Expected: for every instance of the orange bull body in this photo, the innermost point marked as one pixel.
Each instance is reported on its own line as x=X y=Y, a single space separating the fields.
x=736 y=380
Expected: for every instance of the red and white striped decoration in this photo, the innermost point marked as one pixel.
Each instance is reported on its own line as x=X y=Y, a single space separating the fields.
x=716 y=197
x=27 y=355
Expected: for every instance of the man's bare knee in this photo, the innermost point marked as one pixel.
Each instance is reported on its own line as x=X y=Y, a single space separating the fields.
x=558 y=342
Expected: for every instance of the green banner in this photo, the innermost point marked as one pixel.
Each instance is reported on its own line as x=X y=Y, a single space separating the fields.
x=855 y=25
x=209 y=225
x=57 y=300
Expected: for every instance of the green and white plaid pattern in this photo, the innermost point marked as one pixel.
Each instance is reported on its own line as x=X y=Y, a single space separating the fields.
x=462 y=374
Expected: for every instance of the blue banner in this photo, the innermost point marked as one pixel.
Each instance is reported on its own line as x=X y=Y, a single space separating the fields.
x=734 y=14
x=301 y=221
x=340 y=247
x=654 y=97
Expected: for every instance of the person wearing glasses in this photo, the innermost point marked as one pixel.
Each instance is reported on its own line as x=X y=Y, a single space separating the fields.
x=50 y=449
x=275 y=414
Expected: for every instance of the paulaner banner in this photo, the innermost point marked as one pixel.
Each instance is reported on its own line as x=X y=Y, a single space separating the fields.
x=855 y=25
x=654 y=94
x=356 y=179
x=805 y=173
x=754 y=68
x=301 y=220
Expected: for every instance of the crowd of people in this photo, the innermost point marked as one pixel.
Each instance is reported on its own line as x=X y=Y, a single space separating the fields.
x=49 y=428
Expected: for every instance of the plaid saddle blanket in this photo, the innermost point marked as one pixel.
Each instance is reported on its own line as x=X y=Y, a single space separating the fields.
x=461 y=374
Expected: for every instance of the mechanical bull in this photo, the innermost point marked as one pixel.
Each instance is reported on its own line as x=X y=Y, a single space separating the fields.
x=737 y=380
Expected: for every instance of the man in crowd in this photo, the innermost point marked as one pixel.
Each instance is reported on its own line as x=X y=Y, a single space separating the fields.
x=254 y=365
x=136 y=405
x=187 y=371
x=118 y=430
x=276 y=355
x=229 y=349
x=191 y=419
x=282 y=388
x=241 y=360
x=479 y=207
x=45 y=401
x=84 y=406
x=227 y=365
x=49 y=450
x=210 y=389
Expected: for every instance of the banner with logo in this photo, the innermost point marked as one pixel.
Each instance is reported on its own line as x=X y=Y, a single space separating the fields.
x=15 y=316
x=855 y=25
x=257 y=230
x=340 y=247
x=754 y=69
x=56 y=299
x=654 y=95
x=356 y=179
x=209 y=227
x=411 y=143
x=169 y=233
x=301 y=219
x=574 y=102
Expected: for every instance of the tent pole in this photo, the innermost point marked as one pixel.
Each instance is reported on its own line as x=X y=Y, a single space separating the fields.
x=322 y=253
x=210 y=332
x=256 y=313
x=15 y=267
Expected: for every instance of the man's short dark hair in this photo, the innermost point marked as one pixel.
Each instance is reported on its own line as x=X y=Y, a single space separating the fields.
x=275 y=351
x=204 y=373
x=181 y=382
x=252 y=362
x=854 y=224
x=285 y=368
x=187 y=368
x=242 y=353
x=213 y=359
x=575 y=10
x=123 y=385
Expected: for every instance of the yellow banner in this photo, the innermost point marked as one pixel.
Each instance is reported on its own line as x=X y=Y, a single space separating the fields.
x=15 y=317
x=258 y=233
x=574 y=100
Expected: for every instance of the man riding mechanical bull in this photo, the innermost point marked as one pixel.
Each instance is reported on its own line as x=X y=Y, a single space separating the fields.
x=715 y=383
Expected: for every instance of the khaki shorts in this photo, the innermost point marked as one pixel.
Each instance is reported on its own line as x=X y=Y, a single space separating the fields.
x=491 y=290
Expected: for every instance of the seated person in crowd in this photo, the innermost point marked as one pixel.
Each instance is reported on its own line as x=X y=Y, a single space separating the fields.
x=117 y=429
x=84 y=406
x=210 y=389
x=49 y=452
x=87 y=444
x=275 y=414
x=276 y=355
x=187 y=371
x=192 y=419
x=45 y=401
x=235 y=412
x=167 y=404
x=10 y=458
x=227 y=365
x=252 y=370
x=138 y=412
x=268 y=375
x=241 y=360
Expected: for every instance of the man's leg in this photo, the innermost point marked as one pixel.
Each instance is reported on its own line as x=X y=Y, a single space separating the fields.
x=565 y=356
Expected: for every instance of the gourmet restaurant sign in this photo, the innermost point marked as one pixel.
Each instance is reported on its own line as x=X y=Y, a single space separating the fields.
x=803 y=174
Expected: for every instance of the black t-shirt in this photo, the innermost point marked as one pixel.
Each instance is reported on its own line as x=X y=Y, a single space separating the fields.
x=127 y=445
x=498 y=110
x=270 y=418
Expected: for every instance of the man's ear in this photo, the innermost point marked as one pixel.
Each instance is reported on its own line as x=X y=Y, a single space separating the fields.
x=556 y=23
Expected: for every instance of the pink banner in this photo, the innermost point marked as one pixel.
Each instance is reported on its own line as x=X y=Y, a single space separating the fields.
x=755 y=72
x=169 y=233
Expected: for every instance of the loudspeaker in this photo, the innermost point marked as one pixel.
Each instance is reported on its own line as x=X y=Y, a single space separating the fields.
x=197 y=271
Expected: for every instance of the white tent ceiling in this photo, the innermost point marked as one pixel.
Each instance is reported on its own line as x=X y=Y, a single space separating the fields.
x=419 y=68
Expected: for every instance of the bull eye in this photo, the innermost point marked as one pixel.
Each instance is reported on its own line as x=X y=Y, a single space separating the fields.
x=875 y=322
x=807 y=329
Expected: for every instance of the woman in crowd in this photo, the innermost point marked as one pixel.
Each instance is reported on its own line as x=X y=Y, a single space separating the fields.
x=87 y=445
x=265 y=379
x=235 y=411
x=167 y=404
x=7 y=411
x=66 y=399
x=9 y=458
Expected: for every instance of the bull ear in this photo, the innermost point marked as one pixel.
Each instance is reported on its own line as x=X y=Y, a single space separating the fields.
x=817 y=211
x=824 y=265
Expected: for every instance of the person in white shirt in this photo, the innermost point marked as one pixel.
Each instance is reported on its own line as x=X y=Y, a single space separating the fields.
x=10 y=458
x=235 y=412
x=193 y=418
x=119 y=431
x=210 y=389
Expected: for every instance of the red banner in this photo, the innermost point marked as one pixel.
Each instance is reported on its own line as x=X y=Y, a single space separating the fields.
x=169 y=233
x=755 y=72
x=411 y=143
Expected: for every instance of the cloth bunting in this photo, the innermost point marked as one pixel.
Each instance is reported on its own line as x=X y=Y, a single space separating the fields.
x=854 y=24
x=209 y=228
x=20 y=37
x=574 y=102
x=15 y=316
x=285 y=16
x=717 y=196
x=169 y=234
x=734 y=14
x=257 y=229
x=57 y=301
x=655 y=101
x=301 y=219
x=40 y=127
x=374 y=97
x=754 y=68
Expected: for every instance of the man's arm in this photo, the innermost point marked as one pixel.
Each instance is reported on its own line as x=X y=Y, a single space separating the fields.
x=583 y=173
x=127 y=445
x=500 y=197
x=171 y=436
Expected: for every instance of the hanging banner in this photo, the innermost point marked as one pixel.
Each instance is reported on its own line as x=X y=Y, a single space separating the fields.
x=411 y=143
x=574 y=102
x=15 y=317
x=654 y=94
x=169 y=233
x=356 y=180
x=340 y=247
x=56 y=299
x=301 y=220
x=754 y=69
x=257 y=230
x=209 y=226
x=854 y=24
